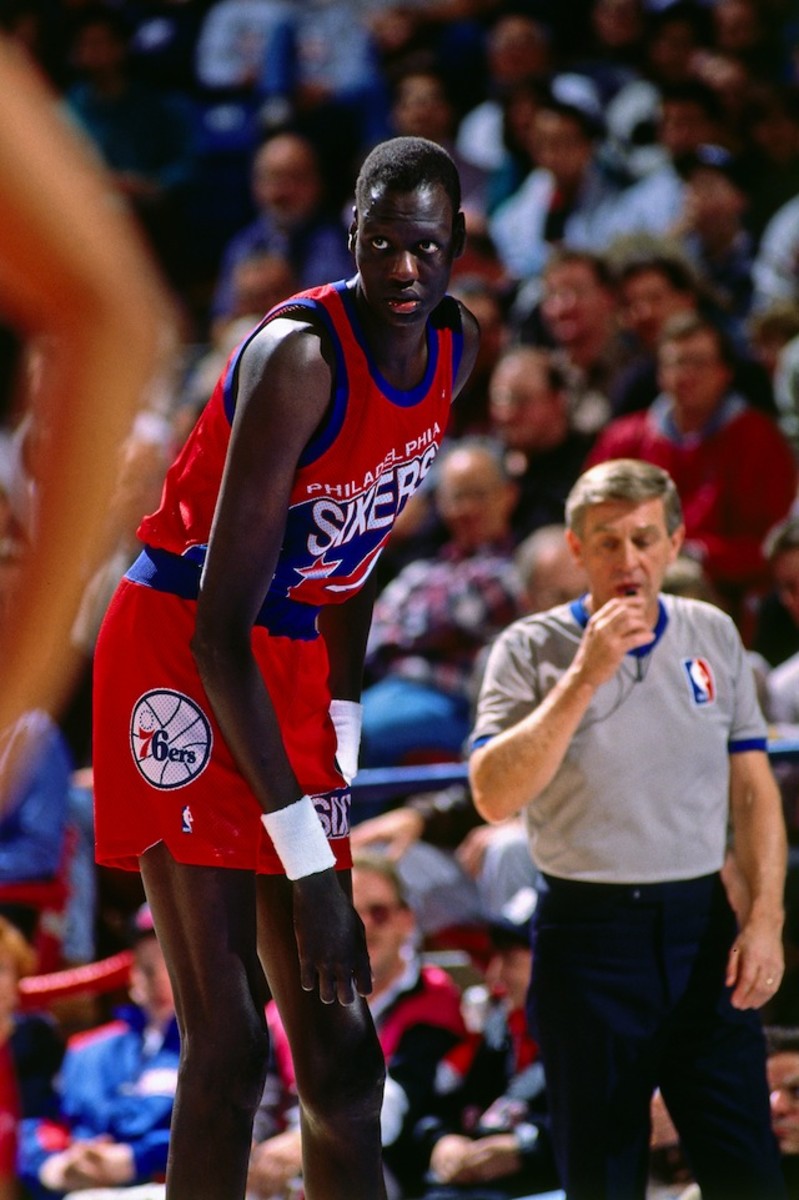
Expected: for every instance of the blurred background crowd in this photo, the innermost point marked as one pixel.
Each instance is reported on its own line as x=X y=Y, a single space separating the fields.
x=630 y=174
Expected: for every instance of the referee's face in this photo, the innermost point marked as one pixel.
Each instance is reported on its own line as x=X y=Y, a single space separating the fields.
x=625 y=549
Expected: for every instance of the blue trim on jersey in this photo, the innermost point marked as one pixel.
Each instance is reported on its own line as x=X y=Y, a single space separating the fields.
x=582 y=617
x=179 y=575
x=481 y=741
x=395 y=395
x=324 y=437
x=457 y=353
x=747 y=744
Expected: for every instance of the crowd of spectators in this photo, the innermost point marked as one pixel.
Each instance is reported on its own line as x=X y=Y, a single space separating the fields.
x=630 y=178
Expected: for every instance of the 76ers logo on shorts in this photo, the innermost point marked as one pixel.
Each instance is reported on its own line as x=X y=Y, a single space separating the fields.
x=170 y=738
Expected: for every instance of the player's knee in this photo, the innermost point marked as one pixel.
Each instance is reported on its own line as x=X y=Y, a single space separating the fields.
x=230 y=1063
x=348 y=1087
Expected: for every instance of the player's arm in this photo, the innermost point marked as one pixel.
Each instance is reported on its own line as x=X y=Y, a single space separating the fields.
x=283 y=391
x=73 y=272
x=284 y=388
x=760 y=849
x=345 y=628
x=514 y=767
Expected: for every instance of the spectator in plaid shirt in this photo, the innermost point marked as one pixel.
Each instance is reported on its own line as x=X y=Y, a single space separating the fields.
x=431 y=621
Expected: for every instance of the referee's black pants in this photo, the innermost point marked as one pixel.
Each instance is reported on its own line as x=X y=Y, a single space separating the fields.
x=627 y=995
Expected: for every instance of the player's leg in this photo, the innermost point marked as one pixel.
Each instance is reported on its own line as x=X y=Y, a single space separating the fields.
x=337 y=1059
x=206 y=924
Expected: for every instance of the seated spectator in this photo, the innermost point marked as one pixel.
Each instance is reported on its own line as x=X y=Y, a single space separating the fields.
x=30 y=1054
x=714 y=446
x=685 y=115
x=144 y=136
x=293 y=221
x=258 y=282
x=782 y=1068
x=322 y=74
x=775 y=272
x=654 y=285
x=416 y=1010
x=233 y=39
x=421 y=107
x=712 y=230
x=771 y=152
x=431 y=621
x=116 y=1091
x=529 y=407
x=573 y=310
x=486 y=1136
x=35 y=766
x=613 y=55
x=566 y=198
x=469 y=415
x=517 y=50
x=672 y=37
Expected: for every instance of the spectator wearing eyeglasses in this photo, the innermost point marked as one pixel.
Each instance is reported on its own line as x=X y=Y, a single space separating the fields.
x=416 y=1010
x=734 y=470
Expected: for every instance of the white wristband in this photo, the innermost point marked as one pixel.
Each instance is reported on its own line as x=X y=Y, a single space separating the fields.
x=347 y=718
x=299 y=839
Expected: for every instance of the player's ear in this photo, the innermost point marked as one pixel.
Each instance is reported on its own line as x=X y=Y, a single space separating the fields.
x=458 y=235
x=353 y=232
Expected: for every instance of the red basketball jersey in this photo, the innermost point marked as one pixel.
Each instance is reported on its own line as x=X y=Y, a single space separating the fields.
x=357 y=473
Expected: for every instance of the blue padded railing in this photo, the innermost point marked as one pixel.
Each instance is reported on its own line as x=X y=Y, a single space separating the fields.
x=375 y=785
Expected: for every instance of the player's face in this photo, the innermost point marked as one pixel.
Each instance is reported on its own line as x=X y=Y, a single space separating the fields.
x=404 y=245
x=625 y=549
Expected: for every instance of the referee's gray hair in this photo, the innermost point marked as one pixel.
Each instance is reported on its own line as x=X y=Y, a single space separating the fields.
x=628 y=479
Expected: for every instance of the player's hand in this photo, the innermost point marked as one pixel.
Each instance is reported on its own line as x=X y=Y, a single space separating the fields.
x=616 y=628
x=330 y=940
x=755 y=964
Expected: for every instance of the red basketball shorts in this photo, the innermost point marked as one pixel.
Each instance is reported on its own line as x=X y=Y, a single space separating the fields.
x=162 y=770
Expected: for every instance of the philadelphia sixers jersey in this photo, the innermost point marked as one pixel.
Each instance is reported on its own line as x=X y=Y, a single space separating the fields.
x=357 y=473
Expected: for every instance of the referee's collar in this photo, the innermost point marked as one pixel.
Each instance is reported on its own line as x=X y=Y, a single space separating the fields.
x=582 y=617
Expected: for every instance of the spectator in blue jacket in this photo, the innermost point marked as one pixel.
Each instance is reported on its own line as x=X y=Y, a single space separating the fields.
x=35 y=767
x=116 y=1091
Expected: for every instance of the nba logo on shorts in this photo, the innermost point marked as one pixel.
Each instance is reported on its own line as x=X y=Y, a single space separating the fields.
x=170 y=738
x=700 y=680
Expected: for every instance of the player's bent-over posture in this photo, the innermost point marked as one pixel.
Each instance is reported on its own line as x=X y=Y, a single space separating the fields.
x=626 y=727
x=229 y=669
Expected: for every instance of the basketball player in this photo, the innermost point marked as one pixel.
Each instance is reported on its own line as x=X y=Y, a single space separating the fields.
x=222 y=764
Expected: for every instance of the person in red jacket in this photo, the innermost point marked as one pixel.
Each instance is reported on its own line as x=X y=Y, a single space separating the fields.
x=735 y=472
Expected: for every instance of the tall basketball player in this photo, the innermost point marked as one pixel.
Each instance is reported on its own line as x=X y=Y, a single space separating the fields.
x=229 y=672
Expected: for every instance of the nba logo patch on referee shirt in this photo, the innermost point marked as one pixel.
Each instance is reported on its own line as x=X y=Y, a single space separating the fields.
x=700 y=680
